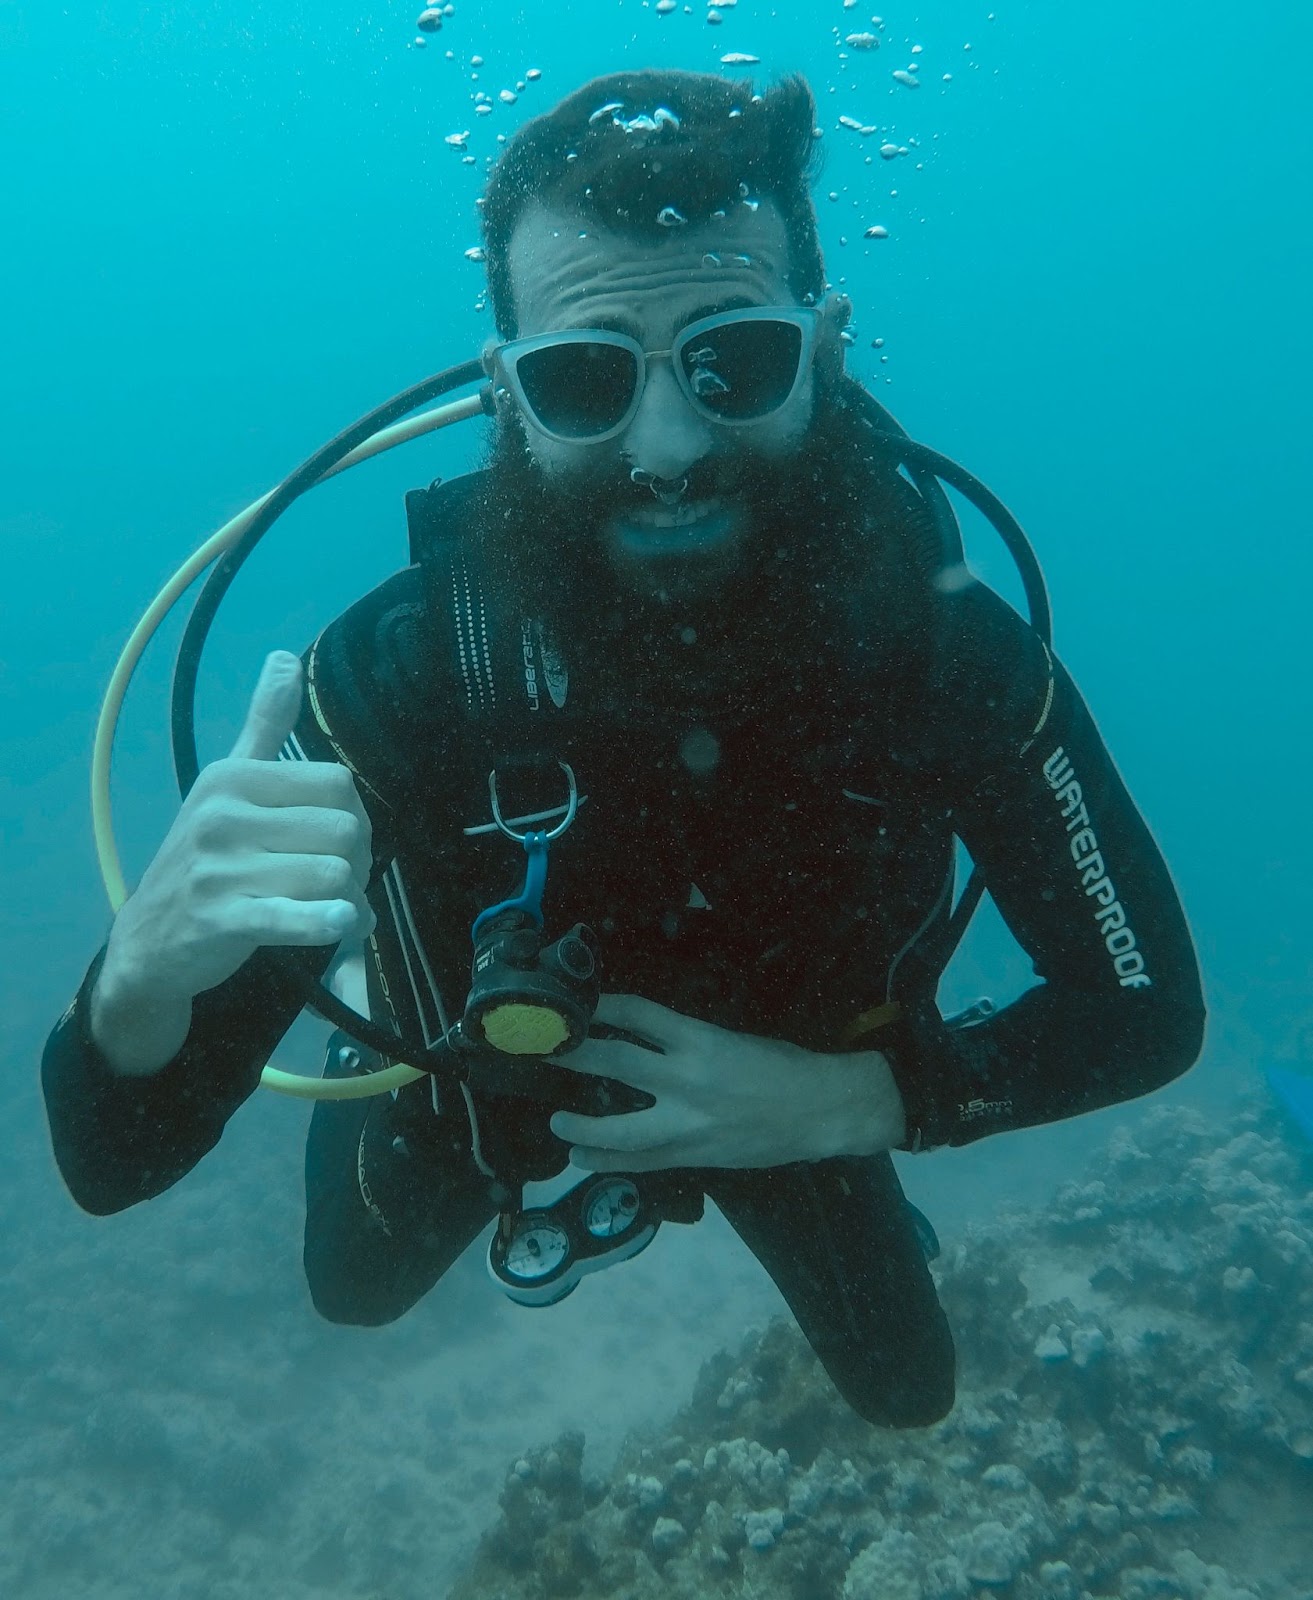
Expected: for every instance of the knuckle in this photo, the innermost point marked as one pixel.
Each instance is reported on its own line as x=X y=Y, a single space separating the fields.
x=335 y=877
x=203 y=878
x=345 y=832
x=223 y=777
x=210 y=818
x=336 y=779
x=210 y=778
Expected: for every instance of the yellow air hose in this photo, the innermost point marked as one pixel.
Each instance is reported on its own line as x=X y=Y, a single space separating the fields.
x=102 y=818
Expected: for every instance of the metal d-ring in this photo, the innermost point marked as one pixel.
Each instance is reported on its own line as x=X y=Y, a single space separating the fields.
x=572 y=805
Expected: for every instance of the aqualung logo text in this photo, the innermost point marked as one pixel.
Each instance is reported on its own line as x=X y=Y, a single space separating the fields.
x=1118 y=936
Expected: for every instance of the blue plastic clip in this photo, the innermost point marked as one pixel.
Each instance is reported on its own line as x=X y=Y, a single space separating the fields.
x=535 y=842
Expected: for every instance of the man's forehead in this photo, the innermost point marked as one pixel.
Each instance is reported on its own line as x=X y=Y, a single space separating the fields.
x=564 y=267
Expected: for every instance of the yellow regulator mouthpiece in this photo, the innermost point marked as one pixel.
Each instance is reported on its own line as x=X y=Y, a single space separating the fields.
x=518 y=1029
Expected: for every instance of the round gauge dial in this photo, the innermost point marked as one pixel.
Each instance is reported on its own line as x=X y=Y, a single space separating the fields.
x=537 y=1250
x=610 y=1209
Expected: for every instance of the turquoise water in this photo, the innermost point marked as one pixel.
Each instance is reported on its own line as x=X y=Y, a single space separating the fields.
x=230 y=232
x=227 y=231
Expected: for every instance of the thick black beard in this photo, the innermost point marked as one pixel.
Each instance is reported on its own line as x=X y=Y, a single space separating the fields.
x=805 y=552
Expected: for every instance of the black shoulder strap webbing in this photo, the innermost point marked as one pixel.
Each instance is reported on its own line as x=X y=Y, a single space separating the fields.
x=509 y=677
x=455 y=596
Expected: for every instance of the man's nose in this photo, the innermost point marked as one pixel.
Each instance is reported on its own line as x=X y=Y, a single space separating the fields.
x=666 y=436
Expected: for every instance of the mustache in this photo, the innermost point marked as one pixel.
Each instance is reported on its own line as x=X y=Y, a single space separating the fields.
x=608 y=488
x=610 y=479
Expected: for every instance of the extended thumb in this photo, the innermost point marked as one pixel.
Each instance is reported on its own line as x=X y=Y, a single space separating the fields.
x=274 y=708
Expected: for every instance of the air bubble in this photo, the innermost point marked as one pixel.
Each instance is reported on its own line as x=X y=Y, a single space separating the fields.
x=671 y=217
x=700 y=751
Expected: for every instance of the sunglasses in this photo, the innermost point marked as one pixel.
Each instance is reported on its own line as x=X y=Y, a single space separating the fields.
x=583 y=385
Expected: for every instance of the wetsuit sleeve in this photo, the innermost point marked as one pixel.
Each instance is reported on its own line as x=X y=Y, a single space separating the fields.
x=1081 y=885
x=119 y=1139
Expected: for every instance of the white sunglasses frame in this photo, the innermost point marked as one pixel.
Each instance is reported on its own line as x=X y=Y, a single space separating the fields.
x=506 y=357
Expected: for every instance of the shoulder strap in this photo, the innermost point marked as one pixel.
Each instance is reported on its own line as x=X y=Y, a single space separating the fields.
x=510 y=670
x=507 y=674
x=455 y=598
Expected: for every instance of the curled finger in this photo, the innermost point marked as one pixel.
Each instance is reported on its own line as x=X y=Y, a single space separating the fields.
x=629 y=1131
x=277 y=920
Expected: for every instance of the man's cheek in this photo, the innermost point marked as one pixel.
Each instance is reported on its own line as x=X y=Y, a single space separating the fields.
x=570 y=468
x=548 y=456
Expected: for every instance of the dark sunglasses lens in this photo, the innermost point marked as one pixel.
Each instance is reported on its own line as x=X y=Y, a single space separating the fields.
x=743 y=370
x=578 y=390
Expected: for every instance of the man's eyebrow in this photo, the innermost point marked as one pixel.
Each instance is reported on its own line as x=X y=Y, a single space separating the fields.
x=736 y=302
x=621 y=322
x=616 y=322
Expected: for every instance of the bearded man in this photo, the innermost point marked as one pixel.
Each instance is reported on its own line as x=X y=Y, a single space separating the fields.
x=690 y=573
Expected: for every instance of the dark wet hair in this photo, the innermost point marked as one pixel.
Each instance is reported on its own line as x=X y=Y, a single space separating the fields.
x=717 y=143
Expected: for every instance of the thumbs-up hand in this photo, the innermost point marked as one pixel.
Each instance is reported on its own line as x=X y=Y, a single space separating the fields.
x=262 y=852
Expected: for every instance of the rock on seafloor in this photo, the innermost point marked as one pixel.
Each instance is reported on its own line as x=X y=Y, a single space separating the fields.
x=1134 y=1420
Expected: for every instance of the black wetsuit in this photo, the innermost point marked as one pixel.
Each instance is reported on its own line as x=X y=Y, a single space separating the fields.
x=765 y=845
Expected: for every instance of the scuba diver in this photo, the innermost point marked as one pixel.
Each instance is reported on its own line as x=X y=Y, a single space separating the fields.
x=739 y=697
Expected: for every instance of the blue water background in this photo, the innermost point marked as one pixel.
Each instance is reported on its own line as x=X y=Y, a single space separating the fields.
x=227 y=231
x=230 y=230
